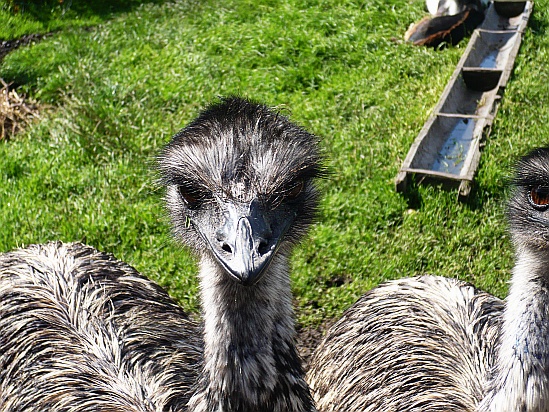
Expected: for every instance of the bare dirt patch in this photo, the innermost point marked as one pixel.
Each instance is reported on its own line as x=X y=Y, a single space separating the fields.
x=308 y=338
x=16 y=111
x=7 y=46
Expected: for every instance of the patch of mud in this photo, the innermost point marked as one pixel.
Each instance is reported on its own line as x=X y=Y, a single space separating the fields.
x=308 y=339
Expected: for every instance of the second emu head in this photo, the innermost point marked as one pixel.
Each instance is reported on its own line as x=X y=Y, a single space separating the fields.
x=528 y=210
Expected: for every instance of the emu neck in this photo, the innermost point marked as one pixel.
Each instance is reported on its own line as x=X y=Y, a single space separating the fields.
x=250 y=360
x=520 y=381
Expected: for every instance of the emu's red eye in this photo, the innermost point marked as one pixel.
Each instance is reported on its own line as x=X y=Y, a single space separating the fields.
x=539 y=197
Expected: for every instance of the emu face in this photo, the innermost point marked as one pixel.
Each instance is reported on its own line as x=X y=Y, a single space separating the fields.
x=240 y=185
x=529 y=206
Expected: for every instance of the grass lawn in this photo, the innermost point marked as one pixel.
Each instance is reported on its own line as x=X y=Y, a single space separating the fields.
x=118 y=90
x=22 y=17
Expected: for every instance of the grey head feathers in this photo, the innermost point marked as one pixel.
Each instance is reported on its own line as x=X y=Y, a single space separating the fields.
x=242 y=151
x=240 y=158
x=527 y=210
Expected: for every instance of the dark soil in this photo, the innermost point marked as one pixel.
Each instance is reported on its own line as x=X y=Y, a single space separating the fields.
x=309 y=338
x=9 y=45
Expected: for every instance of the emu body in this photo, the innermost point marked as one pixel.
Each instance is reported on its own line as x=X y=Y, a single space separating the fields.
x=439 y=344
x=81 y=331
x=415 y=344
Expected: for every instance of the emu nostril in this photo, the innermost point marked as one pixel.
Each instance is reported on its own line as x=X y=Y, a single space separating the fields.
x=263 y=247
x=226 y=248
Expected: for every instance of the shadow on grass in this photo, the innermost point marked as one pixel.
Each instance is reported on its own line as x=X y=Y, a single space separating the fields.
x=412 y=195
x=49 y=10
x=538 y=24
x=476 y=200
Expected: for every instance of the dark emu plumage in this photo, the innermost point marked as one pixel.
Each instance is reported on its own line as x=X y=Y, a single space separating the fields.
x=82 y=331
x=437 y=344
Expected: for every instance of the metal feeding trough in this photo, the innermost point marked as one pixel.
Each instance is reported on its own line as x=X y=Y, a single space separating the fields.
x=447 y=149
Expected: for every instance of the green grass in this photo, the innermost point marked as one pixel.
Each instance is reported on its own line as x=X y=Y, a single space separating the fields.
x=22 y=17
x=117 y=91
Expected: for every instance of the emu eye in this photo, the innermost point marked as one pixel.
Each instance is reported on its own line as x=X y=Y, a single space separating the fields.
x=539 y=197
x=192 y=196
x=295 y=190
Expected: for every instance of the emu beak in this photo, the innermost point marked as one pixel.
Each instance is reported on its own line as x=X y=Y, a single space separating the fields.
x=245 y=244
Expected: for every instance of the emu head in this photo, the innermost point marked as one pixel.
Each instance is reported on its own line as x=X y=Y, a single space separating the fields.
x=240 y=185
x=528 y=211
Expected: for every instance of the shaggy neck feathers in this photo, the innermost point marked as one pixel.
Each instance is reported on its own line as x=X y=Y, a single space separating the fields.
x=250 y=360
x=519 y=381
